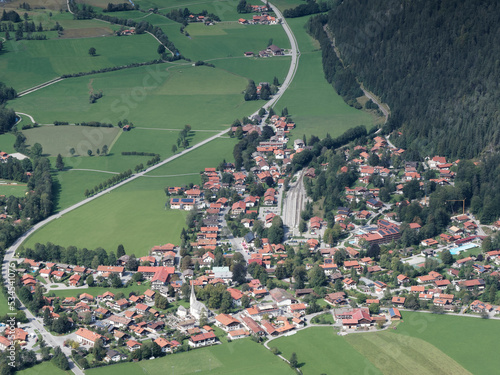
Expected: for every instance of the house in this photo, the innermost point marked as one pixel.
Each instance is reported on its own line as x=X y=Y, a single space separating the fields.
x=478 y=306
x=252 y=325
x=403 y=279
x=350 y=318
x=114 y=356
x=281 y=297
x=227 y=322
x=238 y=334
x=110 y=269
x=203 y=339
x=133 y=345
x=275 y=50
x=4 y=343
x=394 y=313
x=87 y=337
x=336 y=299
x=398 y=300
x=471 y=284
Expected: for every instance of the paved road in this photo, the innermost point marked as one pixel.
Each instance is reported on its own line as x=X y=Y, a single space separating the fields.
x=25 y=114
x=295 y=58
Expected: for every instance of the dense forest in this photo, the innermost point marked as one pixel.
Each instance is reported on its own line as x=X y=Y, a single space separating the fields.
x=435 y=62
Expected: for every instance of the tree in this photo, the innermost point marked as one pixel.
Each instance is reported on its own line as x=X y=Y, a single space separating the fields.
x=104 y=150
x=59 y=163
x=174 y=149
x=374 y=308
x=72 y=151
x=36 y=151
x=89 y=152
x=446 y=257
x=293 y=361
x=90 y=280
x=99 y=350
x=120 y=251
x=317 y=277
x=302 y=226
x=92 y=51
x=161 y=49
x=276 y=232
x=245 y=301
x=239 y=273
x=161 y=302
x=300 y=277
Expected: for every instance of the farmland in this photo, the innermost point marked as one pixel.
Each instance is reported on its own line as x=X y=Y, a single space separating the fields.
x=44 y=368
x=471 y=342
x=321 y=350
x=95 y=291
x=27 y=63
x=159 y=96
x=14 y=188
x=135 y=214
x=238 y=357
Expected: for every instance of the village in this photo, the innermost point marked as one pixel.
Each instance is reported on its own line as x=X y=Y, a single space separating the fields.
x=226 y=281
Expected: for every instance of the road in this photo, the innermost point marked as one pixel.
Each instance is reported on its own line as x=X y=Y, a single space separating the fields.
x=38 y=87
x=294 y=203
x=380 y=105
x=295 y=58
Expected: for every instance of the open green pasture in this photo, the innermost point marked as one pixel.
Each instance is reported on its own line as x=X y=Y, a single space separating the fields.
x=44 y=368
x=7 y=143
x=60 y=139
x=320 y=350
x=224 y=9
x=96 y=291
x=14 y=188
x=311 y=101
x=242 y=357
x=133 y=215
x=472 y=342
x=225 y=39
x=260 y=70
x=26 y=63
x=82 y=173
x=159 y=96
x=48 y=4
x=398 y=354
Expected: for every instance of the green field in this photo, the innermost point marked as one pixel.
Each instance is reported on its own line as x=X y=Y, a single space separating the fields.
x=60 y=139
x=324 y=111
x=27 y=63
x=96 y=291
x=397 y=354
x=134 y=215
x=7 y=143
x=14 y=188
x=471 y=342
x=225 y=39
x=159 y=96
x=44 y=368
x=321 y=350
x=242 y=357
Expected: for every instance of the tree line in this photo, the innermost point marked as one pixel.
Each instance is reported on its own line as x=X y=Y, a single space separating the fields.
x=434 y=62
x=311 y=7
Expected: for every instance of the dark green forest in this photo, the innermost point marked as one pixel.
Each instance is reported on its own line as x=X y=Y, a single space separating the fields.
x=436 y=63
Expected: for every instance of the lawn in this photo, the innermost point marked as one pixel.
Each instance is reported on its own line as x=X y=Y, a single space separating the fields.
x=242 y=357
x=60 y=139
x=96 y=291
x=320 y=350
x=14 y=188
x=159 y=96
x=401 y=354
x=7 y=143
x=27 y=63
x=44 y=368
x=471 y=342
x=324 y=111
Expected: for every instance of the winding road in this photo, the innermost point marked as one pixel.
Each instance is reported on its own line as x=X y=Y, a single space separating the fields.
x=9 y=254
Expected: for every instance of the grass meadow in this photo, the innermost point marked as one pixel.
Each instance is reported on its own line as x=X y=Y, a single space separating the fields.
x=159 y=96
x=44 y=368
x=60 y=139
x=7 y=143
x=134 y=215
x=14 y=188
x=472 y=342
x=26 y=63
x=242 y=357
x=96 y=291
x=320 y=350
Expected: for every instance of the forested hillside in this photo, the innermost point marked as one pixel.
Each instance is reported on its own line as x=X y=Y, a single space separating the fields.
x=435 y=62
